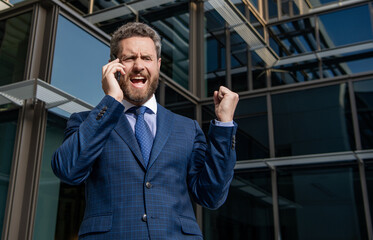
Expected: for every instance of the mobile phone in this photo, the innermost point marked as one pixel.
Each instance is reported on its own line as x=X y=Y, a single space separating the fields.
x=117 y=74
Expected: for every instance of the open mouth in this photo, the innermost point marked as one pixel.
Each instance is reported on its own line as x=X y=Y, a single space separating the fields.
x=138 y=81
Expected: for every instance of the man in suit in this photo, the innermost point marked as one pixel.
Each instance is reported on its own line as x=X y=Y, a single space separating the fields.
x=136 y=190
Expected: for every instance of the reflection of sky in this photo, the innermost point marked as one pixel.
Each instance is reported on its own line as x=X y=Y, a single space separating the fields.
x=348 y=26
x=363 y=86
x=77 y=63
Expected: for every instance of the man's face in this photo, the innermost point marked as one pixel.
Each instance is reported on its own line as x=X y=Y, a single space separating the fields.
x=139 y=56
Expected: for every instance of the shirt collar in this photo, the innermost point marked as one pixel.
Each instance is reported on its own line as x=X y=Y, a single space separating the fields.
x=151 y=104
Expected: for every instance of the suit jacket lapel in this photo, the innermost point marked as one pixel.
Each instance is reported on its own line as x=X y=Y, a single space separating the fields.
x=164 y=128
x=124 y=130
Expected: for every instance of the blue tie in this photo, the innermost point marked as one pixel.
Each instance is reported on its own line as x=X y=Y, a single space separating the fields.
x=143 y=134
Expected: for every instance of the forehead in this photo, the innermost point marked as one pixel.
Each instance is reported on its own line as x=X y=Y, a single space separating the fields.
x=143 y=45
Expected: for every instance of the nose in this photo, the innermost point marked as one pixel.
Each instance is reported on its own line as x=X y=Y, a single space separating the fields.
x=138 y=65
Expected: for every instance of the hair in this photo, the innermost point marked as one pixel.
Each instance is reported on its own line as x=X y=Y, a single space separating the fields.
x=134 y=29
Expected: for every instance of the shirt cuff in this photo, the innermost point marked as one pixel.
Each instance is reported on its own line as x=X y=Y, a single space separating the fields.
x=223 y=124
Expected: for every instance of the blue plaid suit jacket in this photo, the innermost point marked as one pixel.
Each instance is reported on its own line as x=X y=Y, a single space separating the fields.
x=125 y=199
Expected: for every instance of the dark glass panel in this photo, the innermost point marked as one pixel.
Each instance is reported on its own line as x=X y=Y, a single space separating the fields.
x=247 y=212
x=252 y=134
x=60 y=207
x=179 y=104
x=364 y=104
x=8 y=128
x=238 y=63
x=259 y=78
x=289 y=8
x=14 y=38
x=321 y=203
x=172 y=24
x=293 y=38
x=295 y=73
x=344 y=27
x=272 y=9
x=215 y=61
x=78 y=61
x=345 y=64
x=312 y=121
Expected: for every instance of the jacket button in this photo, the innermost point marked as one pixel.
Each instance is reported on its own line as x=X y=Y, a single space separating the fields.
x=148 y=185
x=144 y=218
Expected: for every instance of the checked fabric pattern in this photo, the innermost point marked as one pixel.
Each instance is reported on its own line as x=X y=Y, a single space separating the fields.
x=143 y=134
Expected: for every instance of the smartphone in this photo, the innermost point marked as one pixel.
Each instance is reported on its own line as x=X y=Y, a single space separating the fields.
x=117 y=74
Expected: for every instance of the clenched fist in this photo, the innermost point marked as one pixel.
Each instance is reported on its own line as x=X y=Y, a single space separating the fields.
x=225 y=104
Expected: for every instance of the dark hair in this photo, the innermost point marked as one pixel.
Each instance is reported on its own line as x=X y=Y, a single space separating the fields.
x=134 y=29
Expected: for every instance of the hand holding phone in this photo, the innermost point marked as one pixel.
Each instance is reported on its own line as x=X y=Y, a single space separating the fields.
x=117 y=74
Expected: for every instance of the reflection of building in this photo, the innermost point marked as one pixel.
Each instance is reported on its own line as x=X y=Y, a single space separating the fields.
x=304 y=73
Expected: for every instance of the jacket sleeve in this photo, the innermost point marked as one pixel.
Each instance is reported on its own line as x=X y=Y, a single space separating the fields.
x=85 y=137
x=211 y=166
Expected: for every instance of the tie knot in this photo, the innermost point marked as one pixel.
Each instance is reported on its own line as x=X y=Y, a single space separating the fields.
x=138 y=110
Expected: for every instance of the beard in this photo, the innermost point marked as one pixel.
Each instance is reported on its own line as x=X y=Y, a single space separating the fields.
x=139 y=96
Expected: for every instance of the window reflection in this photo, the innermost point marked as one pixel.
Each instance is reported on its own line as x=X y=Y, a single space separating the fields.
x=60 y=207
x=295 y=73
x=14 y=37
x=8 y=127
x=341 y=27
x=78 y=61
x=173 y=27
x=215 y=50
x=321 y=203
x=364 y=104
x=252 y=133
x=312 y=121
x=179 y=104
x=247 y=212
x=293 y=38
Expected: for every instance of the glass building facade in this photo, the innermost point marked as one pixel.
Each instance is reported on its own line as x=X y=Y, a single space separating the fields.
x=304 y=73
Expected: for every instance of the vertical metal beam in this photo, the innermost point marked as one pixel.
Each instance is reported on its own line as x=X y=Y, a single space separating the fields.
x=355 y=121
x=196 y=48
x=91 y=4
x=271 y=137
x=276 y=217
x=228 y=64
x=364 y=189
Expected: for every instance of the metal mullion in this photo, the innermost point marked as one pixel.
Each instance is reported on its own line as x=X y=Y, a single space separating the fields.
x=364 y=188
x=275 y=208
x=271 y=138
x=228 y=67
x=355 y=121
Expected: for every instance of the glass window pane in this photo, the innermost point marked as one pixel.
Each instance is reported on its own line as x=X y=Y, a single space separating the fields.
x=60 y=207
x=252 y=134
x=312 y=121
x=173 y=27
x=78 y=61
x=238 y=63
x=14 y=38
x=179 y=104
x=293 y=38
x=364 y=104
x=344 y=27
x=272 y=9
x=321 y=203
x=215 y=64
x=345 y=64
x=8 y=128
x=295 y=73
x=247 y=212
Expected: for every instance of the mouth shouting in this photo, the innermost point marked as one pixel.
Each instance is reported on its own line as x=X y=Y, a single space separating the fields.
x=138 y=81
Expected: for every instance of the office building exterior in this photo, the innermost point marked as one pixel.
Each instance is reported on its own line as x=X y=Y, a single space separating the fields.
x=304 y=73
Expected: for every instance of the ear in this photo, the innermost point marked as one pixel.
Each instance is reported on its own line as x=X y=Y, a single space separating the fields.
x=159 y=63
